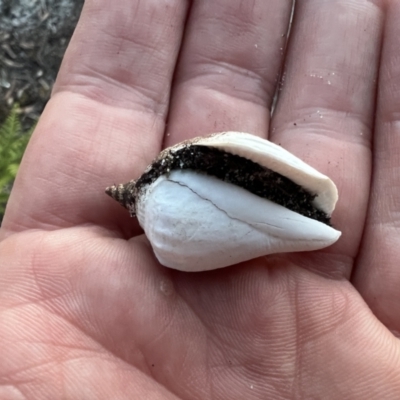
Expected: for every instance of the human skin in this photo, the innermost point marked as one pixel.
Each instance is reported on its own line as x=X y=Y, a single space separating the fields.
x=86 y=312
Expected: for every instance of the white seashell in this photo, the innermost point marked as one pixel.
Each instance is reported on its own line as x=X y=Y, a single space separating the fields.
x=197 y=222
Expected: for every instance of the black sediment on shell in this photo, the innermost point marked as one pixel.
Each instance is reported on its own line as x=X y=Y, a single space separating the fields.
x=230 y=168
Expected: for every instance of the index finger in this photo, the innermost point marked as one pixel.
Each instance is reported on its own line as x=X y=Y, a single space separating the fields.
x=113 y=85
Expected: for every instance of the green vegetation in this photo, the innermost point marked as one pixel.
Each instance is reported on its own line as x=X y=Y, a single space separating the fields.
x=13 y=142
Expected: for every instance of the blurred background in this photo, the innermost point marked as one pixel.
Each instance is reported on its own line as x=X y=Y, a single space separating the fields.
x=33 y=37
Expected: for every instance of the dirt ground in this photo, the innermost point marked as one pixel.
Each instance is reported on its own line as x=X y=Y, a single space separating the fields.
x=33 y=37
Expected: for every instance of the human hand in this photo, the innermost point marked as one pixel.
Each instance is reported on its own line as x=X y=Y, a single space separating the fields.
x=86 y=312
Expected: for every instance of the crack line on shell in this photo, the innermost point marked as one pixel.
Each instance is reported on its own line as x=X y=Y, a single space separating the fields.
x=223 y=211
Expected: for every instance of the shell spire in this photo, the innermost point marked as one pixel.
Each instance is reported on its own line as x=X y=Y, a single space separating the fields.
x=125 y=194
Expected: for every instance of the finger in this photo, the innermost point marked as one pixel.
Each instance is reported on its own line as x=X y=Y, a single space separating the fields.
x=228 y=68
x=106 y=119
x=377 y=275
x=325 y=110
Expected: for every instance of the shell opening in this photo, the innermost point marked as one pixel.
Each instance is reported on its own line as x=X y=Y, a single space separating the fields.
x=228 y=167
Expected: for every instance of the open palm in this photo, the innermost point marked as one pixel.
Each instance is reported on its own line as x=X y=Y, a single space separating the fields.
x=86 y=312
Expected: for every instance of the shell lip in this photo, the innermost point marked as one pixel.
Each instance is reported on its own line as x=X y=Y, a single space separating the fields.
x=275 y=157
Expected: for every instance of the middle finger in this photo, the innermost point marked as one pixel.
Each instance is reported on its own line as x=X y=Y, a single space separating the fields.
x=228 y=69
